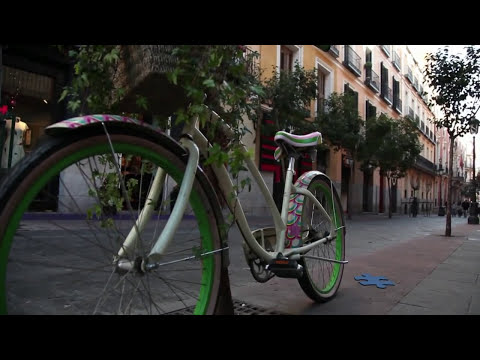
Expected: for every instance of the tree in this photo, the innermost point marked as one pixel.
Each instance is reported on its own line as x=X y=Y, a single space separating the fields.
x=289 y=95
x=217 y=77
x=222 y=78
x=343 y=128
x=92 y=87
x=393 y=146
x=455 y=85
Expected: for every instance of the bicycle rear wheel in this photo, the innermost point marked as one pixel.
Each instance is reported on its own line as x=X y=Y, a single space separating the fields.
x=321 y=279
x=66 y=263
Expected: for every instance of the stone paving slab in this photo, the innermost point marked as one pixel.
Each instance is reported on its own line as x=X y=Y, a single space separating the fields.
x=409 y=263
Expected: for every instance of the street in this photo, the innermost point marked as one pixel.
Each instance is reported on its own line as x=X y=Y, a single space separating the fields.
x=432 y=274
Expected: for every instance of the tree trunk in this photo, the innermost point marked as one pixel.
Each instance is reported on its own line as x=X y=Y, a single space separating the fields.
x=448 y=226
x=225 y=302
x=389 y=187
x=349 y=195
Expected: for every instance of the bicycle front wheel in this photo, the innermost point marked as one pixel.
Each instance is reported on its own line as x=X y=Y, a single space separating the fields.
x=67 y=262
x=321 y=279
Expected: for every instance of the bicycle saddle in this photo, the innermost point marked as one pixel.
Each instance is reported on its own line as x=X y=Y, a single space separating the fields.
x=295 y=141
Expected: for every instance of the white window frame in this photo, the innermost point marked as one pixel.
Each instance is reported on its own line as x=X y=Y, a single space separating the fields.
x=328 y=72
x=297 y=55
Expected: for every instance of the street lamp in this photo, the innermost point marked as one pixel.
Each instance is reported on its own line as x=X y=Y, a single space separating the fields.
x=473 y=218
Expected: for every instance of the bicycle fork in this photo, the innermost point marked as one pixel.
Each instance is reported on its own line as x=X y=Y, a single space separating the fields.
x=173 y=221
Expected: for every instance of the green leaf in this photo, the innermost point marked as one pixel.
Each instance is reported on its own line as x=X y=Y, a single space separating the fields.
x=209 y=83
x=142 y=102
x=63 y=95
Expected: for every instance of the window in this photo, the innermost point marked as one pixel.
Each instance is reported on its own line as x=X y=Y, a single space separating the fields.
x=396 y=94
x=321 y=92
x=286 y=58
x=325 y=85
x=384 y=80
x=288 y=55
x=370 y=110
x=348 y=90
x=368 y=56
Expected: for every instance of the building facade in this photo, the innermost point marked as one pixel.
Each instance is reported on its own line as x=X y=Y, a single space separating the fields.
x=385 y=79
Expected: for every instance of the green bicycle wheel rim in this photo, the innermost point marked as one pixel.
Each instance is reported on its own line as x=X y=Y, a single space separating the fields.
x=338 y=241
x=208 y=265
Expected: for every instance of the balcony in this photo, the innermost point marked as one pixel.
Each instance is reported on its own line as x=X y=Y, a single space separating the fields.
x=396 y=61
x=458 y=180
x=415 y=83
x=409 y=75
x=352 y=61
x=387 y=94
x=411 y=114
x=386 y=49
x=397 y=104
x=425 y=165
x=372 y=80
x=334 y=51
x=251 y=64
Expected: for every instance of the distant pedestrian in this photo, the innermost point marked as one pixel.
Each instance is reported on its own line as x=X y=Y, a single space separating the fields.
x=459 y=209
x=465 y=206
x=414 y=207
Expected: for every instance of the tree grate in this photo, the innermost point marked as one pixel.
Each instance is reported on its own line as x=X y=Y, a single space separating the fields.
x=239 y=308
x=243 y=308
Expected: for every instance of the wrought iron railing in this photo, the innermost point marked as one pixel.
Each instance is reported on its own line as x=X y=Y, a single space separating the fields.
x=409 y=75
x=397 y=104
x=386 y=49
x=397 y=61
x=372 y=79
x=352 y=60
x=251 y=63
x=334 y=50
x=387 y=93
x=425 y=164
x=411 y=114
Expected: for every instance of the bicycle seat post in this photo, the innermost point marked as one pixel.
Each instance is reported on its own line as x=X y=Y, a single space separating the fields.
x=286 y=198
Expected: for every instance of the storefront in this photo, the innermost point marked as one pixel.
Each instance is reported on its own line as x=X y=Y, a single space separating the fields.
x=31 y=81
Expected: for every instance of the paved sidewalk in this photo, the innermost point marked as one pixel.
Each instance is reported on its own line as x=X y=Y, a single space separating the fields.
x=433 y=274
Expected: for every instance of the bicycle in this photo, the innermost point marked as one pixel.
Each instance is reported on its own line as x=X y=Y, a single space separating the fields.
x=134 y=266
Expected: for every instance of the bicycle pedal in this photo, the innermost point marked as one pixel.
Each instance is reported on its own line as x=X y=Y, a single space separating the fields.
x=285 y=268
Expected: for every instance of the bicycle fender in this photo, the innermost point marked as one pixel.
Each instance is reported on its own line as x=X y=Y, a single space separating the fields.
x=293 y=236
x=81 y=121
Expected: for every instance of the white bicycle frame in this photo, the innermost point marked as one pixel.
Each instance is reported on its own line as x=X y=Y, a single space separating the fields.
x=195 y=143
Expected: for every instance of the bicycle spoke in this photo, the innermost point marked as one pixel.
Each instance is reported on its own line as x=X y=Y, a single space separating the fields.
x=78 y=256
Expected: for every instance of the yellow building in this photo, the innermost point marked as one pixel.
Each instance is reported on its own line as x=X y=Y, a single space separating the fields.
x=385 y=79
